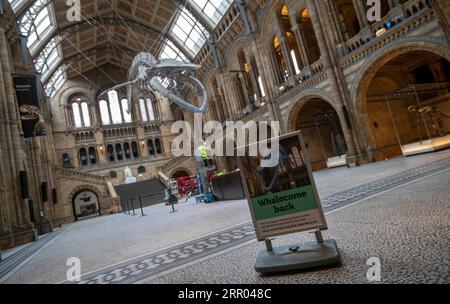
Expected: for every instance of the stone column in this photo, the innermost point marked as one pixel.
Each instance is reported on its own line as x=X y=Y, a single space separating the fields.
x=285 y=49
x=229 y=94
x=361 y=13
x=243 y=83
x=240 y=104
x=264 y=58
x=252 y=71
x=336 y=77
x=393 y=3
x=95 y=119
x=243 y=10
x=229 y=111
x=154 y=147
x=297 y=29
x=12 y=135
x=287 y=55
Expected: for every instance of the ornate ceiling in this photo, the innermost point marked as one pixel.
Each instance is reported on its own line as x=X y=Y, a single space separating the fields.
x=110 y=32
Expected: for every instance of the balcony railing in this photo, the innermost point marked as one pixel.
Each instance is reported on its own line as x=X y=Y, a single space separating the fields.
x=394 y=19
x=119 y=132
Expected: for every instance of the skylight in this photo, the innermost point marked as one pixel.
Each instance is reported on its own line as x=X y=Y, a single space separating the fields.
x=48 y=58
x=213 y=9
x=56 y=81
x=16 y=4
x=37 y=23
x=170 y=51
x=189 y=31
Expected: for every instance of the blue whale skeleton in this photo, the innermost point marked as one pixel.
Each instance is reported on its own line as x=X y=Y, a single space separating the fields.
x=147 y=75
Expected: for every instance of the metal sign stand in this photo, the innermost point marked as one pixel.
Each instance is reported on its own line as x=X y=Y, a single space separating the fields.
x=298 y=256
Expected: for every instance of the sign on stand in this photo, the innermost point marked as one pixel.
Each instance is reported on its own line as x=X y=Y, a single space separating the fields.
x=283 y=200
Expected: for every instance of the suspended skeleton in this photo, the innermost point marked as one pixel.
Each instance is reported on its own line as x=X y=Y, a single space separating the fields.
x=434 y=113
x=147 y=75
x=30 y=112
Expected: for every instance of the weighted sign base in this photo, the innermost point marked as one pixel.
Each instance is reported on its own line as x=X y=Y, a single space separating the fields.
x=298 y=257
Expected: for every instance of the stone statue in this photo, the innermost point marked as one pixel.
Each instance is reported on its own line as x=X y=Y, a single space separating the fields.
x=129 y=178
x=128 y=173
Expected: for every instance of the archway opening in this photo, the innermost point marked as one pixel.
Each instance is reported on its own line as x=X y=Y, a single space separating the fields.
x=407 y=102
x=322 y=133
x=312 y=44
x=180 y=174
x=85 y=205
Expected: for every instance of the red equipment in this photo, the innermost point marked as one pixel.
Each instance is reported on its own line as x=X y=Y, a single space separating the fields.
x=187 y=185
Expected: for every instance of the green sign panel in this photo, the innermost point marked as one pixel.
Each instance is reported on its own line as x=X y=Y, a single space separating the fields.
x=284 y=203
x=283 y=198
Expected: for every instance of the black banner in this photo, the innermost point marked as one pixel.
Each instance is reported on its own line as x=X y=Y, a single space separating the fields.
x=28 y=92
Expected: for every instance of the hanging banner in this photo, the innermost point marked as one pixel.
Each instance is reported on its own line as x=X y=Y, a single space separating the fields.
x=28 y=92
x=282 y=199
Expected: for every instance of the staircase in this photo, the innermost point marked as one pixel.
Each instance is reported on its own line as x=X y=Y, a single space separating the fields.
x=83 y=176
x=167 y=167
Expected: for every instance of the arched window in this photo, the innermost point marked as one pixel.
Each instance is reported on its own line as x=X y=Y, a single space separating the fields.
x=119 y=152
x=116 y=112
x=110 y=153
x=104 y=112
x=151 y=147
x=127 y=150
x=77 y=115
x=142 y=107
x=92 y=156
x=141 y=170
x=135 y=149
x=150 y=111
x=66 y=160
x=80 y=112
x=83 y=157
x=158 y=146
x=85 y=113
x=126 y=111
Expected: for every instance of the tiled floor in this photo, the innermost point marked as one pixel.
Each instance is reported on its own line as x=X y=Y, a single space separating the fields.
x=407 y=229
x=106 y=241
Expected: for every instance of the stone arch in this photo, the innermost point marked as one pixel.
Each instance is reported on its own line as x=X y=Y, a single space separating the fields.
x=78 y=89
x=232 y=54
x=295 y=107
x=367 y=73
x=269 y=15
x=82 y=188
x=180 y=170
x=85 y=188
x=381 y=57
x=322 y=128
